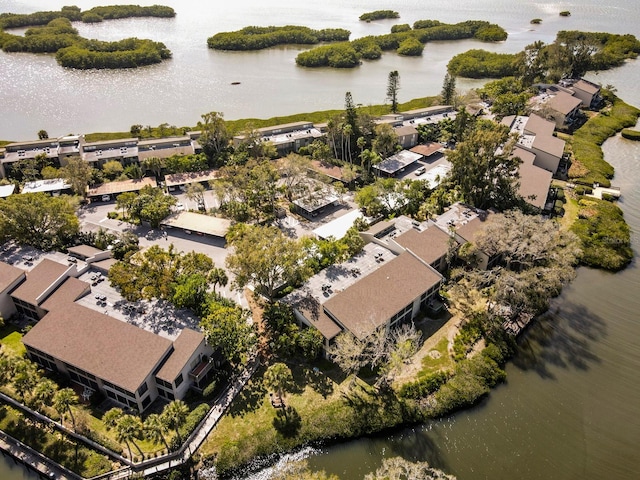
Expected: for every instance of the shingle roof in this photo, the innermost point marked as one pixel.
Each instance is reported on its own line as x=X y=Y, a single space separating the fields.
x=564 y=103
x=534 y=182
x=469 y=230
x=38 y=280
x=108 y=348
x=8 y=275
x=549 y=144
x=370 y=302
x=183 y=348
x=586 y=86
x=71 y=290
x=430 y=244
x=539 y=126
x=427 y=149
x=311 y=309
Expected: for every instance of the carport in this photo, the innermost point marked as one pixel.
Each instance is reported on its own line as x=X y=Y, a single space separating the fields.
x=191 y=222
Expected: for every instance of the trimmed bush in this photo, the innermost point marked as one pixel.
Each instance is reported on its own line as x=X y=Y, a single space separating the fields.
x=565 y=13
x=536 y=21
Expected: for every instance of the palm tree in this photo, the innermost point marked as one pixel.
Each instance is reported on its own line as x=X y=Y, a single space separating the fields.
x=62 y=402
x=111 y=417
x=127 y=429
x=175 y=415
x=154 y=428
x=278 y=377
x=25 y=377
x=6 y=368
x=43 y=393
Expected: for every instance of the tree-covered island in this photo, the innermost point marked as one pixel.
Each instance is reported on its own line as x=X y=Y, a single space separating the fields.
x=52 y=32
x=403 y=39
x=492 y=283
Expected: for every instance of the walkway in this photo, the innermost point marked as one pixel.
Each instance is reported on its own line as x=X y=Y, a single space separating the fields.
x=198 y=436
x=49 y=468
x=34 y=460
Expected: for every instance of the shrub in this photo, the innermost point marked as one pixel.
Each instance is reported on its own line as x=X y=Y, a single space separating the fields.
x=423 y=387
x=631 y=134
x=112 y=215
x=472 y=380
x=536 y=21
x=411 y=47
x=193 y=419
x=104 y=441
x=210 y=389
x=565 y=13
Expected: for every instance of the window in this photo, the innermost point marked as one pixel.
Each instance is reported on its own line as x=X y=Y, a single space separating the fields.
x=146 y=402
x=178 y=380
x=143 y=388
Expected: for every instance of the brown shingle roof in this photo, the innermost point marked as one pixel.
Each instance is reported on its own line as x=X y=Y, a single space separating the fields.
x=313 y=312
x=430 y=244
x=469 y=230
x=564 y=103
x=534 y=182
x=84 y=251
x=370 y=302
x=8 y=275
x=539 y=126
x=405 y=130
x=71 y=290
x=549 y=144
x=183 y=348
x=427 y=149
x=98 y=344
x=586 y=86
x=38 y=280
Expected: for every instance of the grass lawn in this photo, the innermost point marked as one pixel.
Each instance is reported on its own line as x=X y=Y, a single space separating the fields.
x=75 y=457
x=439 y=360
x=11 y=341
x=321 y=405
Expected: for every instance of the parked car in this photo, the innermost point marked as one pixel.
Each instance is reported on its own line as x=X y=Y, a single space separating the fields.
x=420 y=171
x=179 y=207
x=106 y=198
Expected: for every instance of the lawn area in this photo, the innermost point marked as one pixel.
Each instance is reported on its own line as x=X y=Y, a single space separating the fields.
x=437 y=359
x=11 y=341
x=74 y=456
x=321 y=406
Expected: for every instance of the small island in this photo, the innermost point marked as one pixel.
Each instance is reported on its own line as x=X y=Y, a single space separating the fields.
x=258 y=38
x=403 y=39
x=52 y=32
x=378 y=15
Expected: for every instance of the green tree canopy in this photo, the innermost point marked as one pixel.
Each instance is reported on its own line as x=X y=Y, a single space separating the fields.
x=265 y=258
x=39 y=220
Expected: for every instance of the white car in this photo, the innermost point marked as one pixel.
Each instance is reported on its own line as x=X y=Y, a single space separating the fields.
x=179 y=207
x=420 y=171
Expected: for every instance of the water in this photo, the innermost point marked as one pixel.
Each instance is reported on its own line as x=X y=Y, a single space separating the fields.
x=37 y=94
x=570 y=408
